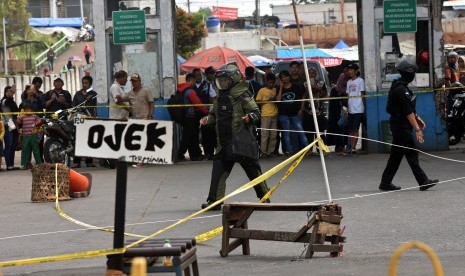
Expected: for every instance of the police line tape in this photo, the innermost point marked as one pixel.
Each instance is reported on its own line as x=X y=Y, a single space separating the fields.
x=217 y=231
x=212 y=233
x=258 y=102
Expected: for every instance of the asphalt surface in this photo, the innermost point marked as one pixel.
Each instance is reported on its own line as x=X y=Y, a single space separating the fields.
x=158 y=195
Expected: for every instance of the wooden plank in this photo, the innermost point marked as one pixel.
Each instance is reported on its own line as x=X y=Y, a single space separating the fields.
x=329 y=229
x=233 y=245
x=335 y=239
x=305 y=228
x=225 y=240
x=275 y=206
x=243 y=220
x=335 y=219
x=245 y=242
x=310 y=250
x=266 y=235
x=327 y=248
x=237 y=214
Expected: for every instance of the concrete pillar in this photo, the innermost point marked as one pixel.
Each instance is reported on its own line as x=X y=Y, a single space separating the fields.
x=66 y=77
x=462 y=25
x=72 y=81
x=78 y=76
x=3 y=84
x=19 y=88
x=46 y=85
x=456 y=25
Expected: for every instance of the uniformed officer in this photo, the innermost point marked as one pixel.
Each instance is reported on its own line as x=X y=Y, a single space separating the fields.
x=233 y=106
x=404 y=120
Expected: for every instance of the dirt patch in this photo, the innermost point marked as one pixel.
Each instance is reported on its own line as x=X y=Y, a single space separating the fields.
x=454 y=38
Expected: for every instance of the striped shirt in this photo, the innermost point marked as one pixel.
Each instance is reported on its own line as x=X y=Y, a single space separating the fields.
x=28 y=124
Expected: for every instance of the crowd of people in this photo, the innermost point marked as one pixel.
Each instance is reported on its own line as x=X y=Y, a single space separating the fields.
x=21 y=126
x=286 y=123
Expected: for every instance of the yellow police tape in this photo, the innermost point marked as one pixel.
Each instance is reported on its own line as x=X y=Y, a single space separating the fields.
x=64 y=257
x=104 y=252
x=409 y=245
x=73 y=220
x=217 y=231
x=259 y=102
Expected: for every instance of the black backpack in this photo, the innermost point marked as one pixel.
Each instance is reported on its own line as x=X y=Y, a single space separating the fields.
x=177 y=113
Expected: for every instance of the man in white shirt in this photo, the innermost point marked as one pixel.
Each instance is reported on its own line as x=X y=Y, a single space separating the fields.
x=356 y=104
x=116 y=96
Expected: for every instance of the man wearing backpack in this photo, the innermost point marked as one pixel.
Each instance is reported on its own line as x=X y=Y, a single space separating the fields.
x=207 y=94
x=190 y=125
x=233 y=107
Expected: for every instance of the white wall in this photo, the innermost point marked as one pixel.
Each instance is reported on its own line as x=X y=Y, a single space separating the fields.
x=247 y=40
x=317 y=13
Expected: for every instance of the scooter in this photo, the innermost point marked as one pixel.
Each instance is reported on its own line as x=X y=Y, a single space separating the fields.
x=61 y=136
x=456 y=119
x=60 y=133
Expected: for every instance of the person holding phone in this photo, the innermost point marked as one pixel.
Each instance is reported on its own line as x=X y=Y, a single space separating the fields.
x=57 y=98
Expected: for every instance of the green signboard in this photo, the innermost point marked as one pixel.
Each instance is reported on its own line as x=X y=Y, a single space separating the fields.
x=129 y=27
x=400 y=16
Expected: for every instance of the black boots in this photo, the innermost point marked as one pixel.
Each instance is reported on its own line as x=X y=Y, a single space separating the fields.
x=388 y=187
x=423 y=187
x=208 y=203
x=428 y=184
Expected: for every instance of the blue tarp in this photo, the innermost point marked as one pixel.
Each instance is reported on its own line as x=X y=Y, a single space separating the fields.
x=341 y=45
x=297 y=53
x=56 y=22
x=181 y=60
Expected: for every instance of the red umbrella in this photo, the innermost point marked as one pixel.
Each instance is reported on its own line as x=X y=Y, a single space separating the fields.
x=216 y=57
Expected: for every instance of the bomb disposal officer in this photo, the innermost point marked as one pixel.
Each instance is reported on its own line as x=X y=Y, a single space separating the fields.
x=233 y=106
x=404 y=120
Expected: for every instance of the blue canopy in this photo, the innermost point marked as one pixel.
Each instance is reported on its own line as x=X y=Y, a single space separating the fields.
x=341 y=45
x=181 y=60
x=56 y=22
x=259 y=61
x=297 y=53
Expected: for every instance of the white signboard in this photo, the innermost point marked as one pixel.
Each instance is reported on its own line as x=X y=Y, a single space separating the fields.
x=140 y=141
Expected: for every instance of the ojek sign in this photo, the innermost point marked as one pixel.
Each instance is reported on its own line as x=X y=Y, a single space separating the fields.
x=140 y=141
x=223 y=13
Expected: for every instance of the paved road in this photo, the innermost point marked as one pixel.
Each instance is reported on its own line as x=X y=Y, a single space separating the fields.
x=376 y=225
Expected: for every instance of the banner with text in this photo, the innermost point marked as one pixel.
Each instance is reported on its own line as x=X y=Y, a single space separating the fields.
x=140 y=141
x=224 y=13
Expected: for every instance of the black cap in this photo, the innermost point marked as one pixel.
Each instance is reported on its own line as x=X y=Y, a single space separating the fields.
x=209 y=70
x=352 y=66
x=58 y=79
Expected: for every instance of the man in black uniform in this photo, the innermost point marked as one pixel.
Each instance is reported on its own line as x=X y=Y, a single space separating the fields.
x=401 y=106
x=233 y=106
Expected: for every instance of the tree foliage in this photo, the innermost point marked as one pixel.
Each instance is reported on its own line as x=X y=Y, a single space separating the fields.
x=17 y=20
x=189 y=32
x=204 y=12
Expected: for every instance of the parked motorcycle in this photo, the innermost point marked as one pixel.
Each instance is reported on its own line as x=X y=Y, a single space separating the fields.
x=61 y=136
x=456 y=114
x=60 y=132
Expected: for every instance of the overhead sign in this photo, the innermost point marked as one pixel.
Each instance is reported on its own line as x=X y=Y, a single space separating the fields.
x=400 y=16
x=140 y=141
x=224 y=13
x=129 y=27
x=329 y=62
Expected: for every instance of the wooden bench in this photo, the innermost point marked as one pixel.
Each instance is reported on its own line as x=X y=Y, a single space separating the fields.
x=182 y=250
x=325 y=220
